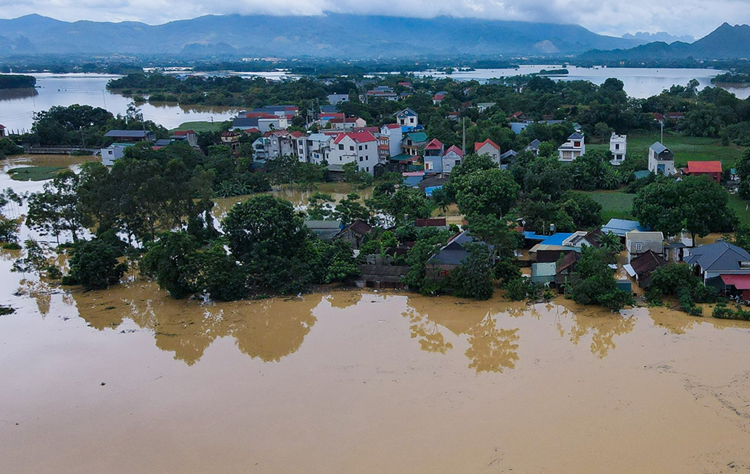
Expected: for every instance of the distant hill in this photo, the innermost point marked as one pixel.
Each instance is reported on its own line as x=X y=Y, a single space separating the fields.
x=331 y=35
x=726 y=42
x=662 y=36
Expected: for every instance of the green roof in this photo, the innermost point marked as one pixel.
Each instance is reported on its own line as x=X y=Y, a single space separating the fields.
x=641 y=174
x=418 y=137
x=402 y=158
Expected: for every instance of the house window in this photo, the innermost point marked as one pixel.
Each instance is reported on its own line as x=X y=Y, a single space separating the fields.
x=360 y=148
x=577 y=144
x=351 y=148
x=368 y=169
x=427 y=165
x=341 y=147
x=361 y=159
x=458 y=162
x=365 y=147
x=638 y=246
x=617 y=146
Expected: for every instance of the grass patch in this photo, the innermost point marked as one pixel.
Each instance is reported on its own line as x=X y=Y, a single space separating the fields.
x=200 y=126
x=741 y=208
x=684 y=148
x=35 y=173
x=615 y=204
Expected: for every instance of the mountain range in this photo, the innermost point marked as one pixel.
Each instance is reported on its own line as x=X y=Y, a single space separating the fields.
x=660 y=36
x=330 y=35
x=725 y=42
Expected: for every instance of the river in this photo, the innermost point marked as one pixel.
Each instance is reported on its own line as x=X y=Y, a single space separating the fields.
x=130 y=380
x=638 y=82
x=17 y=107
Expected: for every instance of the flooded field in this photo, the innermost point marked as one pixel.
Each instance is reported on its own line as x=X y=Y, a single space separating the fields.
x=129 y=380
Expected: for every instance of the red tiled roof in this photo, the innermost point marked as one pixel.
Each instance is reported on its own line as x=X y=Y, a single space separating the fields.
x=479 y=145
x=704 y=167
x=332 y=115
x=392 y=125
x=297 y=134
x=360 y=137
x=455 y=150
x=657 y=116
x=434 y=144
x=252 y=130
x=344 y=119
x=183 y=133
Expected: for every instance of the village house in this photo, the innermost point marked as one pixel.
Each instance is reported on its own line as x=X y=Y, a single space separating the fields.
x=573 y=148
x=232 y=140
x=661 y=160
x=438 y=98
x=360 y=148
x=489 y=148
x=113 y=153
x=313 y=148
x=130 y=136
x=395 y=135
x=382 y=92
x=450 y=256
x=187 y=136
x=621 y=227
x=452 y=158
x=565 y=270
x=533 y=147
x=347 y=123
x=413 y=143
x=433 y=156
x=618 y=145
x=324 y=230
x=722 y=265
x=482 y=107
x=336 y=99
x=381 y=276
x=712 y=169
x=507 y=158
x=288 y=111
x=274 y=144
x=408 y=119
x=354 y=233
x=2 y=131
x=642 y=266
x=639 y=242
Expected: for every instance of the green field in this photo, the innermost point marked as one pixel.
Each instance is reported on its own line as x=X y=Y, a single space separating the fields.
x=741 y=208
x=35 y=173
x=615 y=204
x=684 y=148
x=200 y=126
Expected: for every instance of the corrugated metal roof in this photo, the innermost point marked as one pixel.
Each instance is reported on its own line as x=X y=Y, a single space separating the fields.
x=719 y=257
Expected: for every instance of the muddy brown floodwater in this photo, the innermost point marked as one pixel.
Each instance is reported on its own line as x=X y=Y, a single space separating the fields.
x=130 y=381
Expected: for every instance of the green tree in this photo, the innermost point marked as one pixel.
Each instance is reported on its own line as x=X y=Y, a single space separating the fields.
x=473 y=278
x=171 y=260
x=94 y=264
x=56 y=209
x=350 y=209
x=486 y=192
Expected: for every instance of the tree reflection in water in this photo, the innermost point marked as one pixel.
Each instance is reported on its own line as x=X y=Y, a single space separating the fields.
x=602 y=328
x=492 y=349
x=427 y=333
x=188 y=328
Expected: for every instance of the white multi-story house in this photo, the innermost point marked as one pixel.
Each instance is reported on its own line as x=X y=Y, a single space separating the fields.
x=489 y=148
x=347 y=123
x=313 y=148
x=271 y=124
x=573 y=148
x=451 y=158
x=618 y=145
x=661 y=160
x=274 y=144
x=395 y=136
x=407 y=119
x=360 y=148
x=637 y=243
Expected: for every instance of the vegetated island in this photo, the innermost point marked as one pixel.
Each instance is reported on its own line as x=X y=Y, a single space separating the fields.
x=732 y=78
x=552 y=72
x=17 y=81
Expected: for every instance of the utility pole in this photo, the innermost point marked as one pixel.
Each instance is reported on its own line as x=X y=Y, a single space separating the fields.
x=463 y=136
x=661 y=122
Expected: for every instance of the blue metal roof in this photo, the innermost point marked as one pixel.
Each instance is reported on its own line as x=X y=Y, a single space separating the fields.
x=622 y=226
x=554 y=239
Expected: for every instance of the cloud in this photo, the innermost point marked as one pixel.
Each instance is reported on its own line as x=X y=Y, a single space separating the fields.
x=691 y=17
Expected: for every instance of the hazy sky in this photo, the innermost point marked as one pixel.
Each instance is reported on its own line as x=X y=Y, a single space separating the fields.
x=615 y=17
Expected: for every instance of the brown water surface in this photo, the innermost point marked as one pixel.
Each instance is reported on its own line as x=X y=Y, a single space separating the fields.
x=128 y=380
